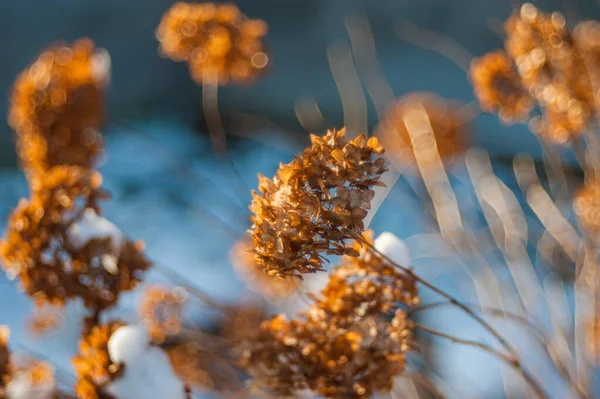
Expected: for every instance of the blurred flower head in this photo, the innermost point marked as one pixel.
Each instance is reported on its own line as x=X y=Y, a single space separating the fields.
x=216 y=40
x=57 y=106
x=421 y=127
x=60 y=248
x=314 y=203
x=586 y=205
x=498 y=87
x=161 y=311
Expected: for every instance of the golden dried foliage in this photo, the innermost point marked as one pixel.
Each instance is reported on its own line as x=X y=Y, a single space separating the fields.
x=314 y=203
x=161 y=311
x=498 y=87
x=586 y=205
x=57 y=106
x=216 y=40
x=93 y=366
x=269 y=286
x=423 y=127
x=37 y=247
x=345 y=345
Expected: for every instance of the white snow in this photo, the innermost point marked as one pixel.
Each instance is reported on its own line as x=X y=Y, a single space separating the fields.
x=21 y=386
x=147 y=370
x=91 y=226
x=394 y=248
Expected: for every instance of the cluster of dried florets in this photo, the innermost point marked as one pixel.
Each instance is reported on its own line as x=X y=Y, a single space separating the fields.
x=60 y=248
x=161 y=312
x=93 y=365
x=345 y=345
x=252 y=273
x=57 y=106
x=544 y=63
x=419 y=128
x=217 y=41
x=314 y=203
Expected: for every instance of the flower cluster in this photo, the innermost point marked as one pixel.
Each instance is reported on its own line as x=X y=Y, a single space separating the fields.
x=6 y=367
x=586 y=205
x=314 y=203
x=351 y=342
x=161 y=311
x=549 y=63
x=60 y=248
x=93 y=365
x=215 y=40
x=267 y=285
x=57 y=106
x=498 y=87
x=421 y=127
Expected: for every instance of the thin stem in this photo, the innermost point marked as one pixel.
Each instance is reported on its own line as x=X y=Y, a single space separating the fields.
x=451 y=299
x=512 y=362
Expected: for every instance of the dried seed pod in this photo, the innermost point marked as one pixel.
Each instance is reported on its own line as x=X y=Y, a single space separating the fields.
x=216 y=40
x=314 y=203
x=421 y=127
x=57 y=106
x=60 y=248
x=268 y=286
x=498 y=87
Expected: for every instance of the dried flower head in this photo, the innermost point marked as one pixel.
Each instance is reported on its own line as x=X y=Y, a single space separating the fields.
x=269 y=286
x=57 y=106
x=93 y=365
x=552 y=70
x=216 y=40
x=345 y=345
x=161 y=311
x=44 y=319
x=422 y=127
x=586 y=205
x=314 y=203
x=498 y=87
x=60 y=248
x=6 y=366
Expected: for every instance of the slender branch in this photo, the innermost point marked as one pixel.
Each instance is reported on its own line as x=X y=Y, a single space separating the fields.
x=451 y=299
x=512 y=362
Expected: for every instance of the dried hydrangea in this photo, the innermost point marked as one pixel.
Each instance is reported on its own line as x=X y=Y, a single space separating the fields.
x=498 y=87
x=314 y=203
x=552 y=69
x=586 y=205
x=161 y=311
x=423 y=127
x=351 y=343
x=93 y=365
x=214 y=39
x=60 y=248
x=268 y=286
x=57 y=106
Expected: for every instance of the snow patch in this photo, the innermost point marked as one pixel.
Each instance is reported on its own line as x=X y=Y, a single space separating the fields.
x=92 y=226
x=147 y=370
x=394 y=248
